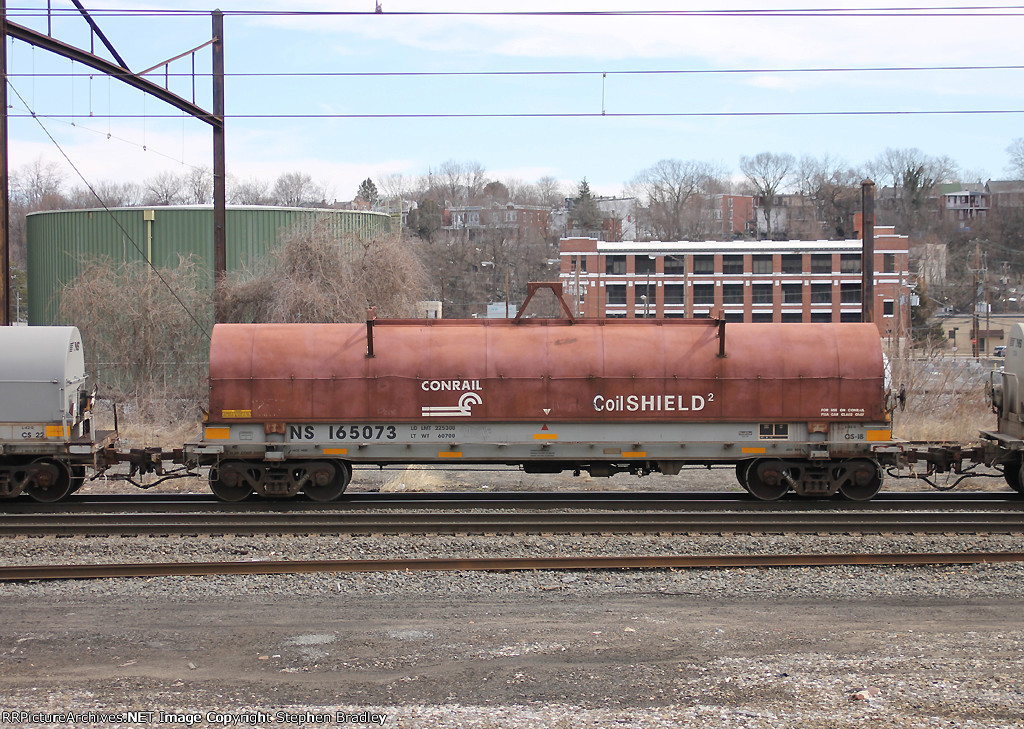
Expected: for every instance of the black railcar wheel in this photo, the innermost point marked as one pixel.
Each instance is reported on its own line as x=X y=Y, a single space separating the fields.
x=52 y=480
x=765 y=480
x=741 y=474
x=228 y=482
x=327 y=480
x=860 y=479
x=1013 y=472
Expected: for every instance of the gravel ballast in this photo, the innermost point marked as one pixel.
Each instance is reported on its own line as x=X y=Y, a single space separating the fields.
x=828 y=647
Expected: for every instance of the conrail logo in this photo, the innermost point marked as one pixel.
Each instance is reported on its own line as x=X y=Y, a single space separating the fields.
x=467 y=400
x=456 y=385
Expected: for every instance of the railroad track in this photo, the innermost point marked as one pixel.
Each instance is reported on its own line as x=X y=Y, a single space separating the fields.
x=514 y=522
x=514 y=513
x=163 y=569
x=516 y=500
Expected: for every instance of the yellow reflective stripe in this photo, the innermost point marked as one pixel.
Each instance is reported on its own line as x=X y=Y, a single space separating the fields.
x=879 y=435
x=218 y=433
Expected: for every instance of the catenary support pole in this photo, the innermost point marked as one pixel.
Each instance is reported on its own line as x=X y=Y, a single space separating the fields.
x=219 y=166
x=867 y=287
x=5 y=199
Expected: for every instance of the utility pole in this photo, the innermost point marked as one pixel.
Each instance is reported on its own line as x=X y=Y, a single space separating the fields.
x=988 y=308
x=974 y=315
x=899 y=316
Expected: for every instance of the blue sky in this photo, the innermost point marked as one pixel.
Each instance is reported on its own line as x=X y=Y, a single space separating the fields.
x=138 y=142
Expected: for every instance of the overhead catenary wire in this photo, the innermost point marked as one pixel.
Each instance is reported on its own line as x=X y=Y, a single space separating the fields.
x=566 y=72
x=952 y=11
x=575 y=115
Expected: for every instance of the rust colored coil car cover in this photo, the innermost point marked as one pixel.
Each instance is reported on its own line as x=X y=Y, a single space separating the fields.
x=502 y=371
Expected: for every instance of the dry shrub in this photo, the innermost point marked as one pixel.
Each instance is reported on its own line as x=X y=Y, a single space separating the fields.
x=414 y=479
x=316 y=275
x=145 y=333
x=947 y=399
x=166 y=423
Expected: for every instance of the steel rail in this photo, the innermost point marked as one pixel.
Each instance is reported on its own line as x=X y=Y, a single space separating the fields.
x=490 y=564
x=643 y=500
x=518 y=522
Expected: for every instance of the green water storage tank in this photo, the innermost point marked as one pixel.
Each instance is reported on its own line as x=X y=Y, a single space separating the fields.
x=60 y=241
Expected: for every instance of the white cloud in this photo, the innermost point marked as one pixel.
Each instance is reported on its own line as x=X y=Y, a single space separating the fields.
x=714 y=40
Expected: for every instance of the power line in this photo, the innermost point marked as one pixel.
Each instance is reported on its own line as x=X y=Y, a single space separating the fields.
x=951 y=11
x=626 y=72
x=571 y=115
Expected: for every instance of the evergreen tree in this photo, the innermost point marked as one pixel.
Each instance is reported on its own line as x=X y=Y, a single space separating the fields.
x=367 y=191
x=585 y=213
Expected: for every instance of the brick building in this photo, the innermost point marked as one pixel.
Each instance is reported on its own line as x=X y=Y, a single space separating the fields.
x=752 y=281
x=734 y=216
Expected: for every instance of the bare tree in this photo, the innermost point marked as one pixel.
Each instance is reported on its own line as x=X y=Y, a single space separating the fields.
x=395 y=185
x=520 y=191
x=476 y=178
x=909 y=178
x=460 y=182
x=1016 y=152
x=106 y=193
x=550 y=192
x=833 y=188
x=249 y=192
x=165 y=188
x=890 y=167
x=297 y=189
x=768 y=173
x=37 y=185
x=673 y=191
x=198 y=186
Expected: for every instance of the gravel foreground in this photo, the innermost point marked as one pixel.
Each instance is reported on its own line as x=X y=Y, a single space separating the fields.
x=829 y=647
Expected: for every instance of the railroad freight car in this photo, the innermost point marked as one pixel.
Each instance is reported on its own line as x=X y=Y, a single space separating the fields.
x=799 y=407
x=1006 y=442
x=46 y=435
